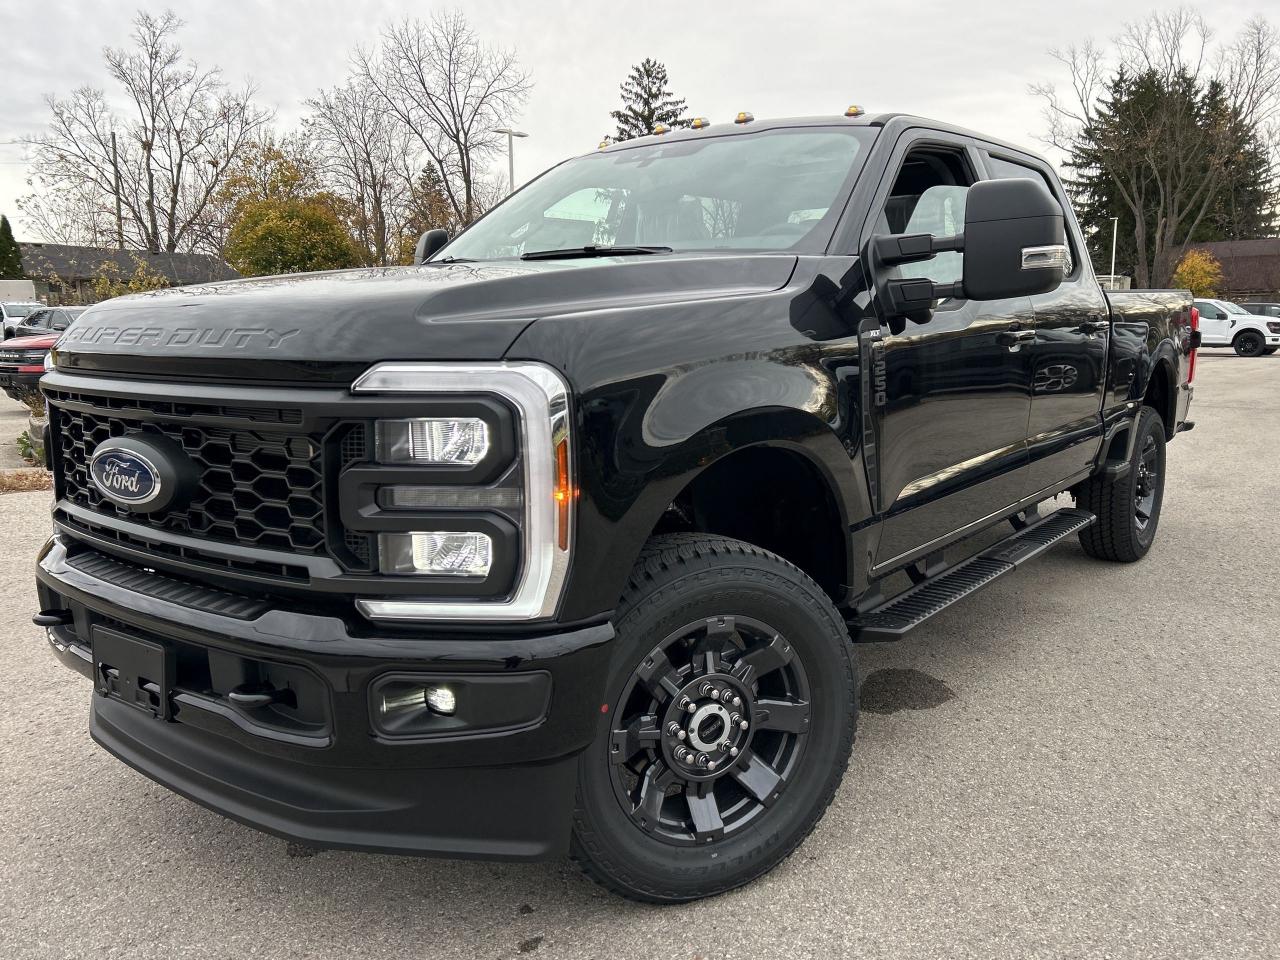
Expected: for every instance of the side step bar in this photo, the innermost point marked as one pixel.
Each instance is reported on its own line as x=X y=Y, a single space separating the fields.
x=894 y=618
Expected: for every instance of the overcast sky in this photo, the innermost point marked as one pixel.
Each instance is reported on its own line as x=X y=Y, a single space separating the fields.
x=965 y=63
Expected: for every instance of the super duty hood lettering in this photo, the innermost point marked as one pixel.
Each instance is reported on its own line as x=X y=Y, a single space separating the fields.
x=236 y=338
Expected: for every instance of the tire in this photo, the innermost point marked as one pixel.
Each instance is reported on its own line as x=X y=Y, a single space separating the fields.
x=697 y=607
x=1249 y=343
x=1127 y=507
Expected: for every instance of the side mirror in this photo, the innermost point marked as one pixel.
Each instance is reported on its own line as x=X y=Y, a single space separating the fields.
x=1014 y=245
x=1014 y=240
x=429 y=243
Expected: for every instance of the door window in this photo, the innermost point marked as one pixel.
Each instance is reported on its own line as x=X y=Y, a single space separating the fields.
x=928 y=196
x=1002 y=169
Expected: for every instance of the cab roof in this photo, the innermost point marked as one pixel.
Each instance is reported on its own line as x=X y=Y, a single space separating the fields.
x=894 y=122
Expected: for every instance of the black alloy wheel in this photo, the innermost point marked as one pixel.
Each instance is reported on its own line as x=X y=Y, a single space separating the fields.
x=1148 y=484
x=710 y=728
x=1249 y=344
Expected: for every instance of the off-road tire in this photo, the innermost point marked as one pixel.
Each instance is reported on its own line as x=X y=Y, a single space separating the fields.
x=1119 y=533
x=677 y=579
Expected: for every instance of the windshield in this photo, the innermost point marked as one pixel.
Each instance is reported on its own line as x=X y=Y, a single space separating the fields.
x=775 y=190
x=20 y=309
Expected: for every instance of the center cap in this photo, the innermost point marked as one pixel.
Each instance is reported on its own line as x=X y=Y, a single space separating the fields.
x=709 y=727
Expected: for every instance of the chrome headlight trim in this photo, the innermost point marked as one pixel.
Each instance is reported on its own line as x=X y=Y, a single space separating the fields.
x=541 y=396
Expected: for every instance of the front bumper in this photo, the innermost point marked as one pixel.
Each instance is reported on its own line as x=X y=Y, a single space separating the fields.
x=319 y=772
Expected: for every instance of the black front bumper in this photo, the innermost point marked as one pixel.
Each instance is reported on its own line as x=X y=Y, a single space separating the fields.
x=322 y=774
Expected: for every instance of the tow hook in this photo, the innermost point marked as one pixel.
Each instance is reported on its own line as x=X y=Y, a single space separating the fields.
x=52 y=618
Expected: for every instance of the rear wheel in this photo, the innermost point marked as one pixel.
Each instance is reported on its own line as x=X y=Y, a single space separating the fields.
x=1127 y=507
x=730 y=717
x=1249 y=344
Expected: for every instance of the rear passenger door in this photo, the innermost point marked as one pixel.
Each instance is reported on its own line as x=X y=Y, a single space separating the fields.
x=1069 y=354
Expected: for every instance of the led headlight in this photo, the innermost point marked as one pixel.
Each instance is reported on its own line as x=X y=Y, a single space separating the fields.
x=441 y=553
x=461 y=440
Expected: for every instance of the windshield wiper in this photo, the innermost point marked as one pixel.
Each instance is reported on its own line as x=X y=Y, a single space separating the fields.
x=570 y=253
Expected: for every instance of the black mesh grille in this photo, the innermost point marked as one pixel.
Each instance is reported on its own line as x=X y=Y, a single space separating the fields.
x=257 y=488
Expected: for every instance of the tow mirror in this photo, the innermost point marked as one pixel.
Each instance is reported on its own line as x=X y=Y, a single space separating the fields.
x=1014 y=245
x=428 y=244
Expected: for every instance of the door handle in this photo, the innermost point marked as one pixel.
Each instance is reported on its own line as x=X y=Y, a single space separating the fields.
x=1092 y=326
x=1013 y=338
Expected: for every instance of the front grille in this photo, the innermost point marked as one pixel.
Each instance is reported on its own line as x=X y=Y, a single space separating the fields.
x=257 y=488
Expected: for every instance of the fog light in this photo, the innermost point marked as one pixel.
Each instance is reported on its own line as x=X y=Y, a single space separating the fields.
x=462 y=441
x=442 y=699
x=441 y=553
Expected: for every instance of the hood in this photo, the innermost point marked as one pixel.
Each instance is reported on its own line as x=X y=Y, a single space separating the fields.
x=40 y=342
x=470 y=311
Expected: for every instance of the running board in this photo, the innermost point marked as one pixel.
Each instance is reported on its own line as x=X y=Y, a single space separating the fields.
x=894 y=618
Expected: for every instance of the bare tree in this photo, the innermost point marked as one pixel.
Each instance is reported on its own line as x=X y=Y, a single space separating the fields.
x=365 y=154
x=1162 y=121
x=182 y=131
x=450 y=91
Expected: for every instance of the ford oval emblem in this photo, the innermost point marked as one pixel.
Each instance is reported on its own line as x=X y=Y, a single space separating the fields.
x=125 y=476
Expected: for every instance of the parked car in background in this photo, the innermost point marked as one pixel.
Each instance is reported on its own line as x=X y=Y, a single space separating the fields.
x=22 y=365
x=14 y=313
x=48 y=320
x=1263 y=309
x=1226 y=324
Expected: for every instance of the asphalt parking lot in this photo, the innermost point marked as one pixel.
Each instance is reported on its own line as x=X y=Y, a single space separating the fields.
x=1083 y=761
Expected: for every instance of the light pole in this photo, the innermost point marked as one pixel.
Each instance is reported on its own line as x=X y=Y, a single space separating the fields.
x=1115 y=229
x=511 y=161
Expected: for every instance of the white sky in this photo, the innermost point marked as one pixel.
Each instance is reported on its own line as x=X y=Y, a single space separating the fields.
x=962 y=62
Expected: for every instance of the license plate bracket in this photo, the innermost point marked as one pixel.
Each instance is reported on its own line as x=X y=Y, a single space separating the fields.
x=135 y=671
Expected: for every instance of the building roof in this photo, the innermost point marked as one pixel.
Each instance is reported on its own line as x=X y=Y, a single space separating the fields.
x=1248 y=266
x=70 y=263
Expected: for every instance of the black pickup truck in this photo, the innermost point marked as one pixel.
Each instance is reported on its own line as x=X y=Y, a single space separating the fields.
x=562 y=540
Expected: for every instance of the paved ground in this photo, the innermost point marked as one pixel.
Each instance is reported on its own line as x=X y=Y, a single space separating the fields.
x=1082 y=762
x=13 y=421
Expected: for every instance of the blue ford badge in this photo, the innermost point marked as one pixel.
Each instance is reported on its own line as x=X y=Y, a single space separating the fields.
x=123 y=475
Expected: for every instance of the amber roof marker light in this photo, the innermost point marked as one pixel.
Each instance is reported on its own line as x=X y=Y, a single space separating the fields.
x=744 y=117
x=854 y=111
x=699 y=123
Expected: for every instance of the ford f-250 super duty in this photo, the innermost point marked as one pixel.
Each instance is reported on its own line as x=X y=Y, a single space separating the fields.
x=562 y=540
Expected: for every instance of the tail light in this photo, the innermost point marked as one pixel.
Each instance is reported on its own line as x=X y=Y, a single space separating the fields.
x=1195 y=342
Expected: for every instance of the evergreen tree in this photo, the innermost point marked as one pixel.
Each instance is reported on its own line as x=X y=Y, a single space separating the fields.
x=10 y=255
x=647 y=102
x=1123 y=143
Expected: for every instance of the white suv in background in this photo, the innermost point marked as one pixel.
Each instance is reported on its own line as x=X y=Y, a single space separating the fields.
x=1226 y=324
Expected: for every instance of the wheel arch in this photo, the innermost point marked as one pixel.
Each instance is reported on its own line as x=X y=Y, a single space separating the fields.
x=742 y=465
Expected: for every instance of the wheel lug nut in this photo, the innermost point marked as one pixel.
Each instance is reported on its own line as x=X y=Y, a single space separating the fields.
x=733 y=751
x=737 y=701
x=743 y=725
x=692 y=708
x=684 y=703
x=715 y=694
x=711 y=765
x=680 y=734
x=735 y=719
x=703 y=760
x=673 y=729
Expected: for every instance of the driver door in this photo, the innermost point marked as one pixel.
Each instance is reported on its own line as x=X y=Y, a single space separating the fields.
x=951 y=397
